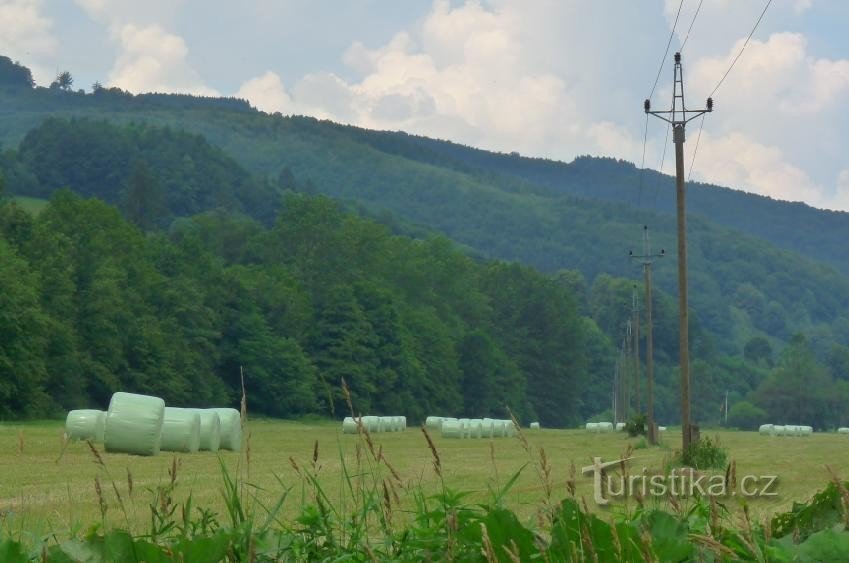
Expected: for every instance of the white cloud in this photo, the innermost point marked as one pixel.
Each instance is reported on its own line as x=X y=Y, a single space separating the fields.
x=462 y=75
x=26 y=34
x=775 y=74
x=266 y=93
x=841 y=194
x=153 y=60
x=739 y=162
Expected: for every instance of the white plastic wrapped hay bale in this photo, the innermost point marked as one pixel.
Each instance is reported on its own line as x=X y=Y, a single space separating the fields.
x=534 y=426
x=843 y=430
x=620 y=426
x=487 y=428
x=134 y=424
x=778 y=430
x=433 y=422
x=509 y=428
x=807 y=430
x=403 y=422
x=465 y=428
x=85 y=424
x=372 y=423
x=180 y=431
x=497 y=428
x=475 y=427
x=349 y=425
x=231 y=428
x=605 y=427
x=451 y=429
x=210 y=430
x=592 y=427
x=661 y=428
x=765 y=429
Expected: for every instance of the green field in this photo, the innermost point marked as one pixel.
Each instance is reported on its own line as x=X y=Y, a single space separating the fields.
x=33 y=205
x=41 y=493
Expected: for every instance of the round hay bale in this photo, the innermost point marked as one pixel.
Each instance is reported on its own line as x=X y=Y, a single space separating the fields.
x=661 y=428
x=465 y=429
x=592 y=427
x=534 y=426
x=134 y=424
x=843 y=430
x=475 y=427
x=231 y=428
x=180 y=431
x=765 y=429
x=778 y=430
x=85 y=424
x=403 y=422
x=349 y=425
x=451 y=429
x=509 y=429
x=620 y=426
x=210 y=430
x=371 y=423
x=807 y=430
x=487 y=428
x=605 y=427
x=433 y=422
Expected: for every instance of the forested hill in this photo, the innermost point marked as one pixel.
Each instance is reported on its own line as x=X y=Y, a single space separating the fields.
x=256 y=143
x=224 y=160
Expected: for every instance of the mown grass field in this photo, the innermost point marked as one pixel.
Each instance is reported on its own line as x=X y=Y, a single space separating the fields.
x=42 y=493
x=33 y=205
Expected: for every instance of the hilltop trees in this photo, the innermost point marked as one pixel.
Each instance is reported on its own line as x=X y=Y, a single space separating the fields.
x=14 y=74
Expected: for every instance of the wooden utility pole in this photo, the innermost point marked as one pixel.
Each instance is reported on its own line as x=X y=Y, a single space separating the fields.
x=648 y=258
x=678 y=117
x=635 y=322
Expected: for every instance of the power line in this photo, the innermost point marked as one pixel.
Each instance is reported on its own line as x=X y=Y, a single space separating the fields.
x=698 y=138
x=743 y=48
x=666 y=52
x=689 y=29
x=660 y=169
x=643 y=162
x=696 y=149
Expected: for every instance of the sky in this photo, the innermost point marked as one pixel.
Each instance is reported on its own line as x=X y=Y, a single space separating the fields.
x=549 y=78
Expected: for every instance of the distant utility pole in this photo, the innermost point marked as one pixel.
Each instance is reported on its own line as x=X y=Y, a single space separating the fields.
x=678 y=117
x=648 y=258
x=635 y=322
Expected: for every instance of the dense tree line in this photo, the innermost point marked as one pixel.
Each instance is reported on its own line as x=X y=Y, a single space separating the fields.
x=155 y=173
x=93 y=305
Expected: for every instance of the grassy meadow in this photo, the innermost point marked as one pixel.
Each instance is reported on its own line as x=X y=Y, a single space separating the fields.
x=44 y=490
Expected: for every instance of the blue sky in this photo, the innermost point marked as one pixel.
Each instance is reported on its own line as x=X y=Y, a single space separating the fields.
x=543 y=77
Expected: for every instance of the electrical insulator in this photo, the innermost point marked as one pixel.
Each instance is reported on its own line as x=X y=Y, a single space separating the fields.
x=647 y=106
x=710 y=104
x=677 y=57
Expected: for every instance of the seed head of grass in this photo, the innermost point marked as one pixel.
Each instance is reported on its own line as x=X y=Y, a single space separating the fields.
x=98 y=459
x=437 y=463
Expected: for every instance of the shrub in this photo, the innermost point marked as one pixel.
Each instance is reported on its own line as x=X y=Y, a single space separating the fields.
x=705 y=454
x=636 y=426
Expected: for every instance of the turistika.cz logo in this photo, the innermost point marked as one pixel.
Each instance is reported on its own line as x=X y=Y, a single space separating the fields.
x=607 y=485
